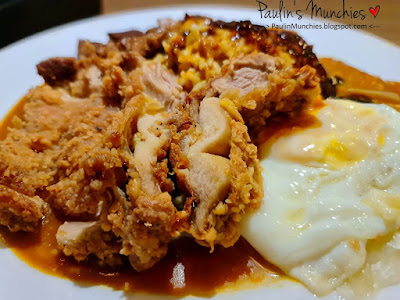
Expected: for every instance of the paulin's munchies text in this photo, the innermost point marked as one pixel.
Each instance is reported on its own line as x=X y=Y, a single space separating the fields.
x=313 y=8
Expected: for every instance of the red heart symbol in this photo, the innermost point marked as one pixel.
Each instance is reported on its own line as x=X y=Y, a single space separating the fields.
x=374 y=11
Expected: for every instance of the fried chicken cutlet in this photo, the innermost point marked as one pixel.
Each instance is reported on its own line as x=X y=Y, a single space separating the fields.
x=147 y=137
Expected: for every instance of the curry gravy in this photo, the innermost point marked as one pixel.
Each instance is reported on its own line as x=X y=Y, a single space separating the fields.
x=6 y=123
x=355 y=84
x=205 y=273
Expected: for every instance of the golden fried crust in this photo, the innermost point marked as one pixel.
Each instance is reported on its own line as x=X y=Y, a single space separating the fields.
x=275 y=41
x=81 y=239
x=247 y=189
x=261 y=86
x=218 y=221
x=144 y=224
x=147 y=137
x=249 y=89
x=20 y=212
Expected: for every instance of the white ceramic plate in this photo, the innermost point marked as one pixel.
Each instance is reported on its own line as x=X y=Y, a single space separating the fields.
x=18 y=74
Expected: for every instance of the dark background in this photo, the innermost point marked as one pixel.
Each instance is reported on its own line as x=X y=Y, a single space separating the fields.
x=20 y=18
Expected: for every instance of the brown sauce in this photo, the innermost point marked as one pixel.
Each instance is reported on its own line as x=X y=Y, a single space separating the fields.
x=355 y=84
x=16 y=111
x=205 y=273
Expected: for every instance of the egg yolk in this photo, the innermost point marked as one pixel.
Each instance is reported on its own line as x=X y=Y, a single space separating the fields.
x=341 y=139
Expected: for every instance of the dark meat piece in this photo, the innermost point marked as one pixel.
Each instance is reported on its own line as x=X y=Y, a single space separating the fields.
x=126 y=34
x=57 y=69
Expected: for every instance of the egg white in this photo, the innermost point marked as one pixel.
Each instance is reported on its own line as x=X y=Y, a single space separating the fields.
x=330 y=192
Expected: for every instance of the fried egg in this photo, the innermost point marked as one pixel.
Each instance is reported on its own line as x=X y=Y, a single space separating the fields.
x=332 y=198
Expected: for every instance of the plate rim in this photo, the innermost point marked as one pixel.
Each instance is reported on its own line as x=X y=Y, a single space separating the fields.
x=43 y=34
x=111 y=15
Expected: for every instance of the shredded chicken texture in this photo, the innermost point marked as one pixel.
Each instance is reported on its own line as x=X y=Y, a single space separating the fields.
x=147 y=137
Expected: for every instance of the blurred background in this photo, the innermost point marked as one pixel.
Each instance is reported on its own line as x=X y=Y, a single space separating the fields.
x=21 y=18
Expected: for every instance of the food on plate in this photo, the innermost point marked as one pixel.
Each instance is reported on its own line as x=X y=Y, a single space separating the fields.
x=202 y=130
x=138 y=141
x=332 y=190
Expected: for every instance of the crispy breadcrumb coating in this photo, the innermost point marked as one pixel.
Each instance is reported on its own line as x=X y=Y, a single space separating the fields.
x=148 y=136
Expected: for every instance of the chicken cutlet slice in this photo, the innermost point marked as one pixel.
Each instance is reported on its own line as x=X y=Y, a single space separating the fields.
x=20 y=212
x=215 y=160
x=154 y=136
x=261 y=85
